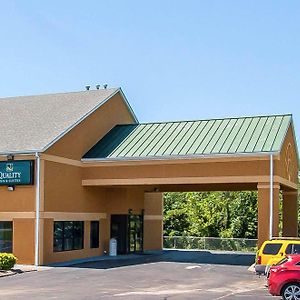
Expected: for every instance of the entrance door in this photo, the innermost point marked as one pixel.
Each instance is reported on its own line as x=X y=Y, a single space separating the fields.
x=128 y=231
x=135 y=233
x=119 y=231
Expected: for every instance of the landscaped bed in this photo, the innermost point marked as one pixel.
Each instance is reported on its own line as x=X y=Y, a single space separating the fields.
x=7 y=262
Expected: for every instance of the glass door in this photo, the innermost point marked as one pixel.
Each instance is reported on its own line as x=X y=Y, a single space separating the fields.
x=135 y=232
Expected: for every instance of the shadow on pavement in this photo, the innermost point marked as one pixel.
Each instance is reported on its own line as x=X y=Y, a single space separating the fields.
x=116 y=263
x=199 y=257
x=208 y=257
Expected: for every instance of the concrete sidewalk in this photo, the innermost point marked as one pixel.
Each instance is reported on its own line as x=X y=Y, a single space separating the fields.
x=19 y=269
x=107 y=258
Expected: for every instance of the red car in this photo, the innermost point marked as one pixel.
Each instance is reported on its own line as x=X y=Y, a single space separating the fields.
x=284 y=278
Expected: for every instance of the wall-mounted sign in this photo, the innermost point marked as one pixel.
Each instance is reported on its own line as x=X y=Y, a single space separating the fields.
x=16 y=172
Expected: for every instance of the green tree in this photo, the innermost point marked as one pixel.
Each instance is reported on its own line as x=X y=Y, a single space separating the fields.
x=215 y=214
x=176 y=220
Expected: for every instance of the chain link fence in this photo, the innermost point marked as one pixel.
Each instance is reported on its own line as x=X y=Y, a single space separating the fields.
x=210 y=243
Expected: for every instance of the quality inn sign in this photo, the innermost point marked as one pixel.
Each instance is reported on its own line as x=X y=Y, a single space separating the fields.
x=16 y=172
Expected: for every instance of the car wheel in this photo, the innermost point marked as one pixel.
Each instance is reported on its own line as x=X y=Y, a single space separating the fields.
x=291 y=291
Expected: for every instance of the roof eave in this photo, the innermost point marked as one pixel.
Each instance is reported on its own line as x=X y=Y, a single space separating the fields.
x=178 y=157
x=25 y=152
x=128 y=105
x=291 y=123
x=118 y=90
x=295 y=138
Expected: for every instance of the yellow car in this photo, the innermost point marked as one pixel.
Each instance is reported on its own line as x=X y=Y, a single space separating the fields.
x=271 y=252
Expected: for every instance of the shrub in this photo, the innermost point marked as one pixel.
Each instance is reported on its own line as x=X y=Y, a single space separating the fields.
x=7 y=261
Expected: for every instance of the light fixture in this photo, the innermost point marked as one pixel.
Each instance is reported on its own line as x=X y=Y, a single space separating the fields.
x=11 y=188
x=10 y=157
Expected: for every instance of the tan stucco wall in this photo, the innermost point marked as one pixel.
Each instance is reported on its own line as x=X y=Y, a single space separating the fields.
x=153 y=235
x=63 y=191
x=288 y=166
x=86 y=134
x=23 y=240
x=22 y=199
x=119 y=200
x=162 y=170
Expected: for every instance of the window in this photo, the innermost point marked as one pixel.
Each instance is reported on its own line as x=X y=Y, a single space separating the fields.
x=94 y=237
x=6 y=236
x=293 y=249
x=68 y=235
x=272 y=249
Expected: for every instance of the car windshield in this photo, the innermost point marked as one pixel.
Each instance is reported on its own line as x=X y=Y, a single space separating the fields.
x=272 y=249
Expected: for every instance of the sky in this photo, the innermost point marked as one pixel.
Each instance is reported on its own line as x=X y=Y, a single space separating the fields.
x=175 y=60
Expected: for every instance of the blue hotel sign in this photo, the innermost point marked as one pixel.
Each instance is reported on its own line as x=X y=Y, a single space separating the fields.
x=16 y=172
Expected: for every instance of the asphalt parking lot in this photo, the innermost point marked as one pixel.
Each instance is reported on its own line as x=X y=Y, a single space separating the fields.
x=168 y=276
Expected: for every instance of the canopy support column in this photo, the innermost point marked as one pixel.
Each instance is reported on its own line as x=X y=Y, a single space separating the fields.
x=153 y=221
x=265 y=218
x=290 y=213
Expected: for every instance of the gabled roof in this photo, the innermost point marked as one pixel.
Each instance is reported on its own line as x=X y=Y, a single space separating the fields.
x=261 y=134
x=33 y=123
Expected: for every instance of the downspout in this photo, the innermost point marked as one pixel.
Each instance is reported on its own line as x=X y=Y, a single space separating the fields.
x=271 y=197
x=37 y=210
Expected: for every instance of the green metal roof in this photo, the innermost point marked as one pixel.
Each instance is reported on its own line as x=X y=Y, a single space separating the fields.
x=262 y=134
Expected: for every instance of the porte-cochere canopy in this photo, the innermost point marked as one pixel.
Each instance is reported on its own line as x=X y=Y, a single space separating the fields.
x=248 y=153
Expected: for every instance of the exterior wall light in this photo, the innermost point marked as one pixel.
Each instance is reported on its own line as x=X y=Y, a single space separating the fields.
x=10 y=157
x=11 y=188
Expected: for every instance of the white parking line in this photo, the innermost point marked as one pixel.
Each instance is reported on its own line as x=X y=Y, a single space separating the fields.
x=157 y=293
x=192 y=267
